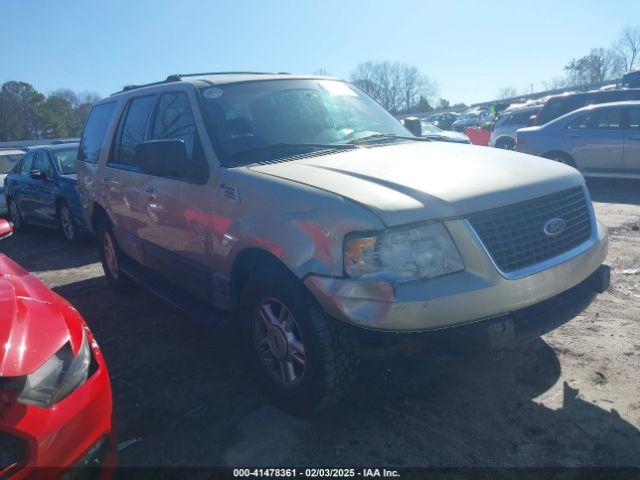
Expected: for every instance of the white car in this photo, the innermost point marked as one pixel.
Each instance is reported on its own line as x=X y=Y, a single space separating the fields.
x=8 y=158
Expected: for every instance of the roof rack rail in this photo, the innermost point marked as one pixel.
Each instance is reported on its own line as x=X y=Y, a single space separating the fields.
x=176 y=77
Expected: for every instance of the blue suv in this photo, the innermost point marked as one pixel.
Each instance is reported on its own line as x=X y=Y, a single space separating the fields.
x=41 y=190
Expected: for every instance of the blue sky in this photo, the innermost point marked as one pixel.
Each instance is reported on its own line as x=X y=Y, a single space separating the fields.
x=470 y=48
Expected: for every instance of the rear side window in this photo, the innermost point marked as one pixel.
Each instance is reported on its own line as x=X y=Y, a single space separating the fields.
x=604 y=119
x=132 y=130
x=94 y=132
x=174 y=120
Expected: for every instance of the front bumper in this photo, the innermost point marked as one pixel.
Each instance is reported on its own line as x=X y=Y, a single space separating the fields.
x=65 y=435
x=480 y=291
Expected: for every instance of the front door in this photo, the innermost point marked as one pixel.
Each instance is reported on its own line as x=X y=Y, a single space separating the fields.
x=42 y=191
x=595 y=140
x=180 y=210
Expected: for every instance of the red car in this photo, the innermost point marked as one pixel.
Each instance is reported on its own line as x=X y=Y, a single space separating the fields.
x=55 y=395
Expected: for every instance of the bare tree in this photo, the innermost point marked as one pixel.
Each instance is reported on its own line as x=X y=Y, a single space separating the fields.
x=601 y=64
x=507 y=92
x=628 y=47
x=396 y=86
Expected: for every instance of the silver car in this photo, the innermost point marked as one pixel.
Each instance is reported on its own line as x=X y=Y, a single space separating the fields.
x=301 y=206
x=599 y=140
x=503 y=132
x=8 y=159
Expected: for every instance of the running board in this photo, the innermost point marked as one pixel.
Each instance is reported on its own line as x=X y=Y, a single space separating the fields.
x=192 y=306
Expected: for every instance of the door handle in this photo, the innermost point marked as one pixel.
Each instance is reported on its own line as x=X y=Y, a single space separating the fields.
x=151 y=193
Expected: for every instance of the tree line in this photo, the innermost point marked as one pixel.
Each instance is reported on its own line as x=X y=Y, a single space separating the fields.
x=599 y=65
x=26 y=114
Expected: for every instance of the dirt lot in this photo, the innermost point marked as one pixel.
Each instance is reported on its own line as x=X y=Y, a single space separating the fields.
x=183 y=397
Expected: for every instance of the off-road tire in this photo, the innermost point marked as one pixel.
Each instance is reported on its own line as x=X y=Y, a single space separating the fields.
x=331 y=348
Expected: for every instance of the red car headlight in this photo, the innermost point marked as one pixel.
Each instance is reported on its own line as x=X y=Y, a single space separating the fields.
x=58 y=377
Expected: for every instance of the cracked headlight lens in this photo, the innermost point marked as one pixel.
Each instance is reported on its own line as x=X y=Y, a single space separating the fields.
x=402 y=254
x=58 y=377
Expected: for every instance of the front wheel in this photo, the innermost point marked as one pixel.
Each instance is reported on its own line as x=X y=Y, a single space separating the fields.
x=306 y=360
x=15 y=216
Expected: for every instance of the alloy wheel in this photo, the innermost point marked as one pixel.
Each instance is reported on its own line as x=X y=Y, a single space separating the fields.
x=14 y=215
x=279 y=342
x=66 y=223
x=110 y=256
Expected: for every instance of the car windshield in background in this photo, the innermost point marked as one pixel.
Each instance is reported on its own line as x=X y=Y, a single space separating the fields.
x=7 y=162
x=257 y=121
x=430 y=128
x=65 y=160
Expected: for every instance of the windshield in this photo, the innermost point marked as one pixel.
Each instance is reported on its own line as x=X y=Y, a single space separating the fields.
x=256 y=121
x=429 y=128
x=65 y=160
x=8 y=161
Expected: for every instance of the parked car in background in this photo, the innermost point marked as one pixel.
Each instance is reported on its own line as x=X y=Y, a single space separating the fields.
x=302 y=206
x=503 y=131
x=558 y=105
x=8 y=159
x=599 y=140
x=55 y=395
x=432 y=132
x=631 y=79
x=473 y=118
x=41 y=190
x=443 y=120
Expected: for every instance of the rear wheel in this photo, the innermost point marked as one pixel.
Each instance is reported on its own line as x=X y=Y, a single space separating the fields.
x=67 y=222
x=112 y=256
x=15 y=216
x=306 y=360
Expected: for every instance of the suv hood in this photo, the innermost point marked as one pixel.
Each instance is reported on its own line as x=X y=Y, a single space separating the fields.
x=418 y=181
x=34 y=322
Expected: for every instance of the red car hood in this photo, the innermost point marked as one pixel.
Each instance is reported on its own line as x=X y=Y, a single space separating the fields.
x=34 y=322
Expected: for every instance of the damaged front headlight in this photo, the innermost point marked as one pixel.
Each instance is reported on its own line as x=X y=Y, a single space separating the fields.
x=402 y=254
x=62 y=374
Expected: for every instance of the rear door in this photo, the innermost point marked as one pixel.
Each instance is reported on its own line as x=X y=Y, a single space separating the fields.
x=41 y=191
x=595 y=140
x=180 y=210
x=121 y=181
x=631 y=160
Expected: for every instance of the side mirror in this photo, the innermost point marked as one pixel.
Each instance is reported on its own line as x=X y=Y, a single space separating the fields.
x=38 y=175
x=414 y=125
x=5 y=229
x=162 y=158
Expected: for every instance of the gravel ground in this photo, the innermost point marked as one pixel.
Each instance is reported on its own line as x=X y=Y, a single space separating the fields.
x=183 y=396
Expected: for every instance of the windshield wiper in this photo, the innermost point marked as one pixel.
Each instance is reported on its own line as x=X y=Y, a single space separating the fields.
x=385 y=136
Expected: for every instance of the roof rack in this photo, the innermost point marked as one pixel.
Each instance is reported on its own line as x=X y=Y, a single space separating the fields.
x=176 y=77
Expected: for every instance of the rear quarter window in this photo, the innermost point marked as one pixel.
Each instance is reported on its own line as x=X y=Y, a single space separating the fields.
x=94 y=132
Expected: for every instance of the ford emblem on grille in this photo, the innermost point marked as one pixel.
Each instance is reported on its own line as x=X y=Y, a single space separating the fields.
x=554 y=227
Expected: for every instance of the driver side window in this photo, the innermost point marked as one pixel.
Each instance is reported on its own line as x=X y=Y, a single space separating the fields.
x=42 y=164
x=25 y=166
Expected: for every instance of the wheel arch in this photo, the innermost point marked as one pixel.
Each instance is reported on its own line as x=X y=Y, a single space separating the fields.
x=560 y=153
x=250 y=260
x=97 y=214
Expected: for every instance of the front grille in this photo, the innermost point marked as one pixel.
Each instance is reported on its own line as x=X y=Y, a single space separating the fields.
x=514 y=235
